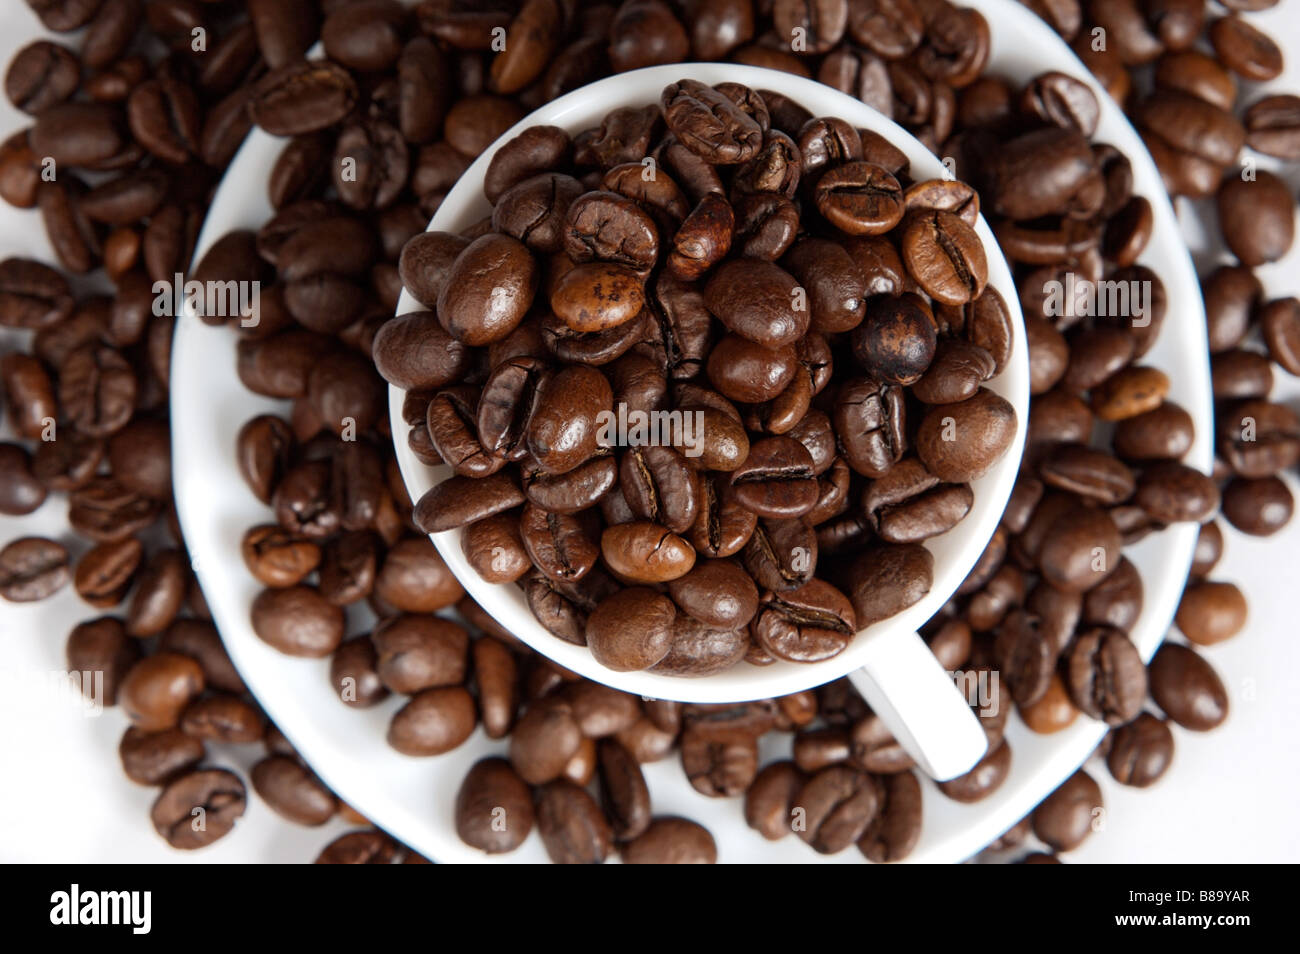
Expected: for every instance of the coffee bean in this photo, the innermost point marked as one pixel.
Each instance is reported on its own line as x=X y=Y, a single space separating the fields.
x=709 y=124
x=1140 y=751
x=1257 y=217
x=433 y=722
x=156 y=690
x=419 y=652
x=1259 y=506
x=960 y=442
x=860 y=198
x=984 y=779
x=1170 y=492
x=1211 y=612
x=1273 y=126
x=671 y=841
x=1053 y=711
x=32 y=568
x=302 y=97
x=756 y=300
x=298 y=621
x=154 y=758
x=572 y=827
x=1245 y=50
x=839 y=803
x=199 y=808
x=494 y=809
x=896 y=828
x=292 y=791
x=200 y=641
x=103 y=576
x=222 y=718
x=415 y=579
x=888 y=579
x=360 y=848
x=1106 y=677
x=1066 y=817
x=102 y=646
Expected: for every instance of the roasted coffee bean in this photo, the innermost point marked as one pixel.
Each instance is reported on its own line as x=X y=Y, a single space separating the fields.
x=1140 y=752
x=709 y=124
x=354 y=673
x=1164 y=433
x=631 y=630
x=1025 y=657
x=896 y=828
x=29 y=395
x=1257 y=217
x=359 y=848
x=623 y=792
x=494 y=808
x=839 y=803
x=1231 y=293
x=433 y=722
x=1117 y=600
x=860 y=198
x=215 y=796
x=1186 y=687
x=909 y=504
x=1170 y=492
x=719 y=762
x=40 y=75
x=264 y=450
x=984 y=779
x=1089 y=473
x=298 y=621
x=1258 y=506
x=573 y=829
x=154 y=758
x=200 y=641
x=781 y=555
x=21 y=491
x=1245 y=50
x=33 y=568
x=718 y=593
x=1106 y=677
x=771 y=798
x=101 y=646
x=756 y=300
x=671 y=841
x=545 y=738
x=292 y=792
x=159 y=593
x=157 y=688
x=222 y=718
x=419 y=652
x=889 y=578
x=1066 y=817
x=1211 y=612
x=302 y=97
x=981 y=427
x=1053 y=711
x=1273 y=126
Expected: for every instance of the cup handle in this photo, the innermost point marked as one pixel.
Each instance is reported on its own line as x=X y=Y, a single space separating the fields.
x=921 y=705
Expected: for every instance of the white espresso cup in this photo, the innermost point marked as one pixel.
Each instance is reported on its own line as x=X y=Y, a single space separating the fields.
x=889 y=664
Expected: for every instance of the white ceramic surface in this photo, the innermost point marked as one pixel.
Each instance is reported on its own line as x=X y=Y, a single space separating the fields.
x=413 y=798
x=891 y=665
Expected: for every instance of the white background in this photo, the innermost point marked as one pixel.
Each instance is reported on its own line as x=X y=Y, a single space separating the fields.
x=1229 y=796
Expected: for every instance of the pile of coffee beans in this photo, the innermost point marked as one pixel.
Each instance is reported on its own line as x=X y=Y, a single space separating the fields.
x=137 y=124
x=738 y=269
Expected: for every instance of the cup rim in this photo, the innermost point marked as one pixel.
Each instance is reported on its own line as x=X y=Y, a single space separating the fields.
x=582 y=108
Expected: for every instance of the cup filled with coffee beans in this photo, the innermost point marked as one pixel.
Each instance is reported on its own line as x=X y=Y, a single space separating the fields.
x=709 y=383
